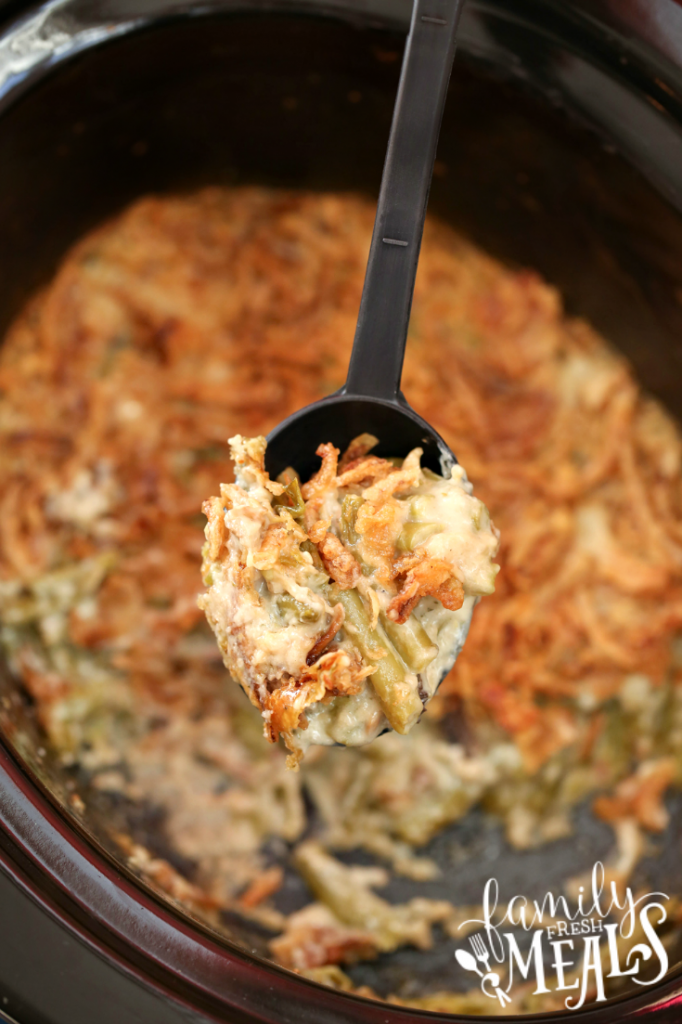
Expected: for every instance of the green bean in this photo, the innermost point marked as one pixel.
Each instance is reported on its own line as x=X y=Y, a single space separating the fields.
x=288 y=604
x=292 y=558
x=411 y=641
x=308 y=546
x=353 y=902
x=422 y=507
x=287 y=475
x=357 y=621
x=414 y=534
x=350 y=507
x=332 y=883
x=291 y=499
x=400 y=701
x=348 y=533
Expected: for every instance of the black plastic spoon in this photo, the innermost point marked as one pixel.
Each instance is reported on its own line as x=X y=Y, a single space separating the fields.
x=371 y=401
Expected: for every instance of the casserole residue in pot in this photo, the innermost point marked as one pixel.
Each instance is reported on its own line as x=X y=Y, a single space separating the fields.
x=187 y=320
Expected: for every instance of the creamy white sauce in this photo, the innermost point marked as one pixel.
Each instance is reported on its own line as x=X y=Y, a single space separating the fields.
x=351 y=721
x=263 y=642
x=448 y=630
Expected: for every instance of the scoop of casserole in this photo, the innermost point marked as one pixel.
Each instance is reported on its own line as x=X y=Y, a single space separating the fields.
x=340 y=604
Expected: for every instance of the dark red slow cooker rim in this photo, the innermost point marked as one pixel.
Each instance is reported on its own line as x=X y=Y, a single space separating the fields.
x=52 y=860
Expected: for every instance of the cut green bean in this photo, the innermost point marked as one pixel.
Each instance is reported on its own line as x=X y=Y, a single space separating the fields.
x=308 y=546
x=411 y=641
x=399 y=700
x=291 y=499
x=353 y=901
x=286 y=604
x=357 y=622
x=349 y=513
x=287 y=475
x=422 y=508
x=414 y=534
x=333 y=884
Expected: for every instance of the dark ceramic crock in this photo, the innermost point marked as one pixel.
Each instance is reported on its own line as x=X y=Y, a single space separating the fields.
x=561 y=149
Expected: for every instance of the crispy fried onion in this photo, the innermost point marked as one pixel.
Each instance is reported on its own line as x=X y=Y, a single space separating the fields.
x=325 y=477
x=419 y=577
x=379 y=519
x=403 y=479
x=336 y=558
x=314 y=936
x=280 y=544
x=640 y=796
x=325 y=638
x=335 y=673
x=365 y=471
x=216 y=531
x=248 y=455
x=356 y=450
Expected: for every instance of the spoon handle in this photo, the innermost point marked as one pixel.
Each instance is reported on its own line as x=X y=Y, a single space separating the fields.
x=379 y=348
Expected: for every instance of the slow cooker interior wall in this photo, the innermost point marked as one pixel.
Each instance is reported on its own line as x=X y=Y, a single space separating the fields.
x=205 y=101
x=306 y=101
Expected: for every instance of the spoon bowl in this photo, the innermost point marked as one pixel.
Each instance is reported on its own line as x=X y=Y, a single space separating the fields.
x=341 y=417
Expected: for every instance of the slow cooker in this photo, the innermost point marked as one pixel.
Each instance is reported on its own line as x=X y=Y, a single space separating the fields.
x=564 y=121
